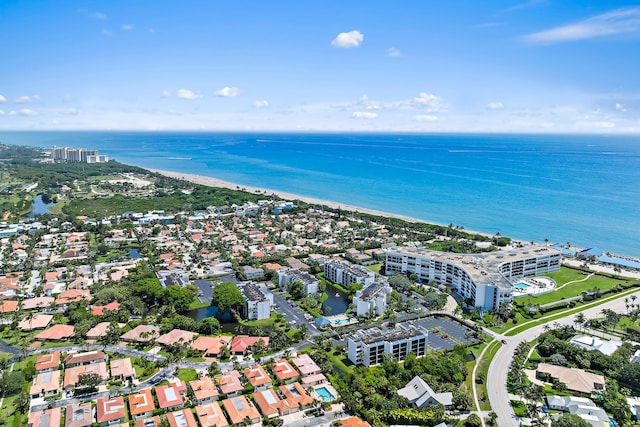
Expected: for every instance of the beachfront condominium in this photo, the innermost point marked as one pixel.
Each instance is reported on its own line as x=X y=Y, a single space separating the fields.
x=344 y=273
x=484 y=280
x=370 y=347
x=372 y=300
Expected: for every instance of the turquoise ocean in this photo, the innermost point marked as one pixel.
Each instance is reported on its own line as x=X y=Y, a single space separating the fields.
x=582 y=189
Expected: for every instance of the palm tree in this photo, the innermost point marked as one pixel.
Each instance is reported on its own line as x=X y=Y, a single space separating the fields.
x=579 y=320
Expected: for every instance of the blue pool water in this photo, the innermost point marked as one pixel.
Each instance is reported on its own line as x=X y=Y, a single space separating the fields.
x=325 y=394
x=521 y=286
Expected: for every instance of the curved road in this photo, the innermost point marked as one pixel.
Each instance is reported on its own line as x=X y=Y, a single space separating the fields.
x=497 y=374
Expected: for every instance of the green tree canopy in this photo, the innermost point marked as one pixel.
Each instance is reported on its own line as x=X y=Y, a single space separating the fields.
x=569 y=420
x=209 y=326
x=227 y=297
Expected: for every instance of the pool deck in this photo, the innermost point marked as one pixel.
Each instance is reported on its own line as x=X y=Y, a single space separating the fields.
x=535 y=286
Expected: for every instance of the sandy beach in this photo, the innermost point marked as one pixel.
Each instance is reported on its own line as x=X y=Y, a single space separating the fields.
x=215 y=182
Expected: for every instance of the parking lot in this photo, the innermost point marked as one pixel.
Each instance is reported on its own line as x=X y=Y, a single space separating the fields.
x=446 y=330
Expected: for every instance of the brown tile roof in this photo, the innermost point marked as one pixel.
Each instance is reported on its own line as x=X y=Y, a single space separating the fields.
x=229 y=382
x=295 y=395
x=204 y=388
x=47 y=382
x=56 y=333
x=284 y=371
x=270 y=403
x=110 y=409
x=122 y=368
x=37 y=303
x=240 y=408
x=135 y=333
x=8 y=306
x=306 y=365
x=211 y=345
x=355 y=422
x=257 y=376
x=176 y=336
x=241 y=343
x=183 y=418
x=100 y=330
x=141 y=402
x=39 y=321
x=574 y=378
x=168 y=396
x=48 y=361
x=211 y=415
x=48 y=418
x=73 y=295
x=71 y=375
x=147 y=422
x=78 y=415
x=73 y=358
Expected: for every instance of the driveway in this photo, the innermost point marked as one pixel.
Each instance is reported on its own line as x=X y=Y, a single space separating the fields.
x=205 y=288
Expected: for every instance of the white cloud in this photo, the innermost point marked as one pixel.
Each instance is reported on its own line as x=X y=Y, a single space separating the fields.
x=107 y=33
x=619 y=21
x=427 y=101
x=187 y=94
x=26 y=99
x=23 y=112
x=1 y=113
x=346 y=40
x=426 y=118
x=99 y=15
x=228 y=92
x=364 y=115
x=263 y=103
x=621 y=107
x=393 y=52
x=605 y=125
x=152 y=30
x=495 y=106
x=526 y=5
x=2 y=99
x=166 y=94
x=127 y=27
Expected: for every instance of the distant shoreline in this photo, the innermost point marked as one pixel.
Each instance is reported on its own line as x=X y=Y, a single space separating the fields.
x=215 y=182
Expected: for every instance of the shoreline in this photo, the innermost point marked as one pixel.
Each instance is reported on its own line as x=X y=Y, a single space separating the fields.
x=215 y=182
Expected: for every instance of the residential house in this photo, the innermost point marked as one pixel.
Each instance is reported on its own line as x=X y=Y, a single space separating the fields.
x=99 y=310
x=100 y=330
x=242 y=344
x=594 y=343
x=636 y=357
x=48 y=362
x=183 y=418
x=176 y=336
x=141 y=404
x=575 y=379
x=110 y=411
x=38 y=303
x=122 y=369
x=39 y=321
x=73 y=359
x=141 y=333
x=283 y=370
x=56 y=333
x=211 y=346
x=47 y=418
x=239 y=409
x=270 y=404
x=419 y=393
x=211 y=415
x=229 y=383
x=78 y=415
x=258 y=377
x=72 y=375
x=46 y=384
x=204 y=390
x=170 y=396
x=582 y=407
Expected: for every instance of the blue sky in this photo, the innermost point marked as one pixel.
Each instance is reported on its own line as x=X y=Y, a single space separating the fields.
x=416 y=66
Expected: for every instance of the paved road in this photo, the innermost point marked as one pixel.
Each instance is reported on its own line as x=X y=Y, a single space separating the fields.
x=497 y=375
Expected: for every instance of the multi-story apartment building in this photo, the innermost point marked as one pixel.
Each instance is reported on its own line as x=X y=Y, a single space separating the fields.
x=483 y=280
x=259 y=301
x=289 y=275
x=344 y=274
x=370 y=347
x=77 y=155
x=372 y=299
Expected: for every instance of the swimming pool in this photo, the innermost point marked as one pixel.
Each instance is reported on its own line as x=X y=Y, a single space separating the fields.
x=325 y=394
x=521 y=286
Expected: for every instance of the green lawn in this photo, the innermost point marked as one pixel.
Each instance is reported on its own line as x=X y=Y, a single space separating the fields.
x=374 y=267
x=565 y=275
x=262 y=323
x=519 y=408
x=484 y=368
x=573 y=290
x=187 y=374
x=341 y=361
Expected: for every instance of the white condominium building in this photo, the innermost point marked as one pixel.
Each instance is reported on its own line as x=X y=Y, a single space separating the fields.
x=372 y=299
x=259 y=301
x=289 y=275
x=345 y=274
x=484 y=279
x=370 y=347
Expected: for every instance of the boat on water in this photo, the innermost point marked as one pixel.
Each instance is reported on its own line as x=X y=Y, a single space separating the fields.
x=178 y=158
x=337 y=295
